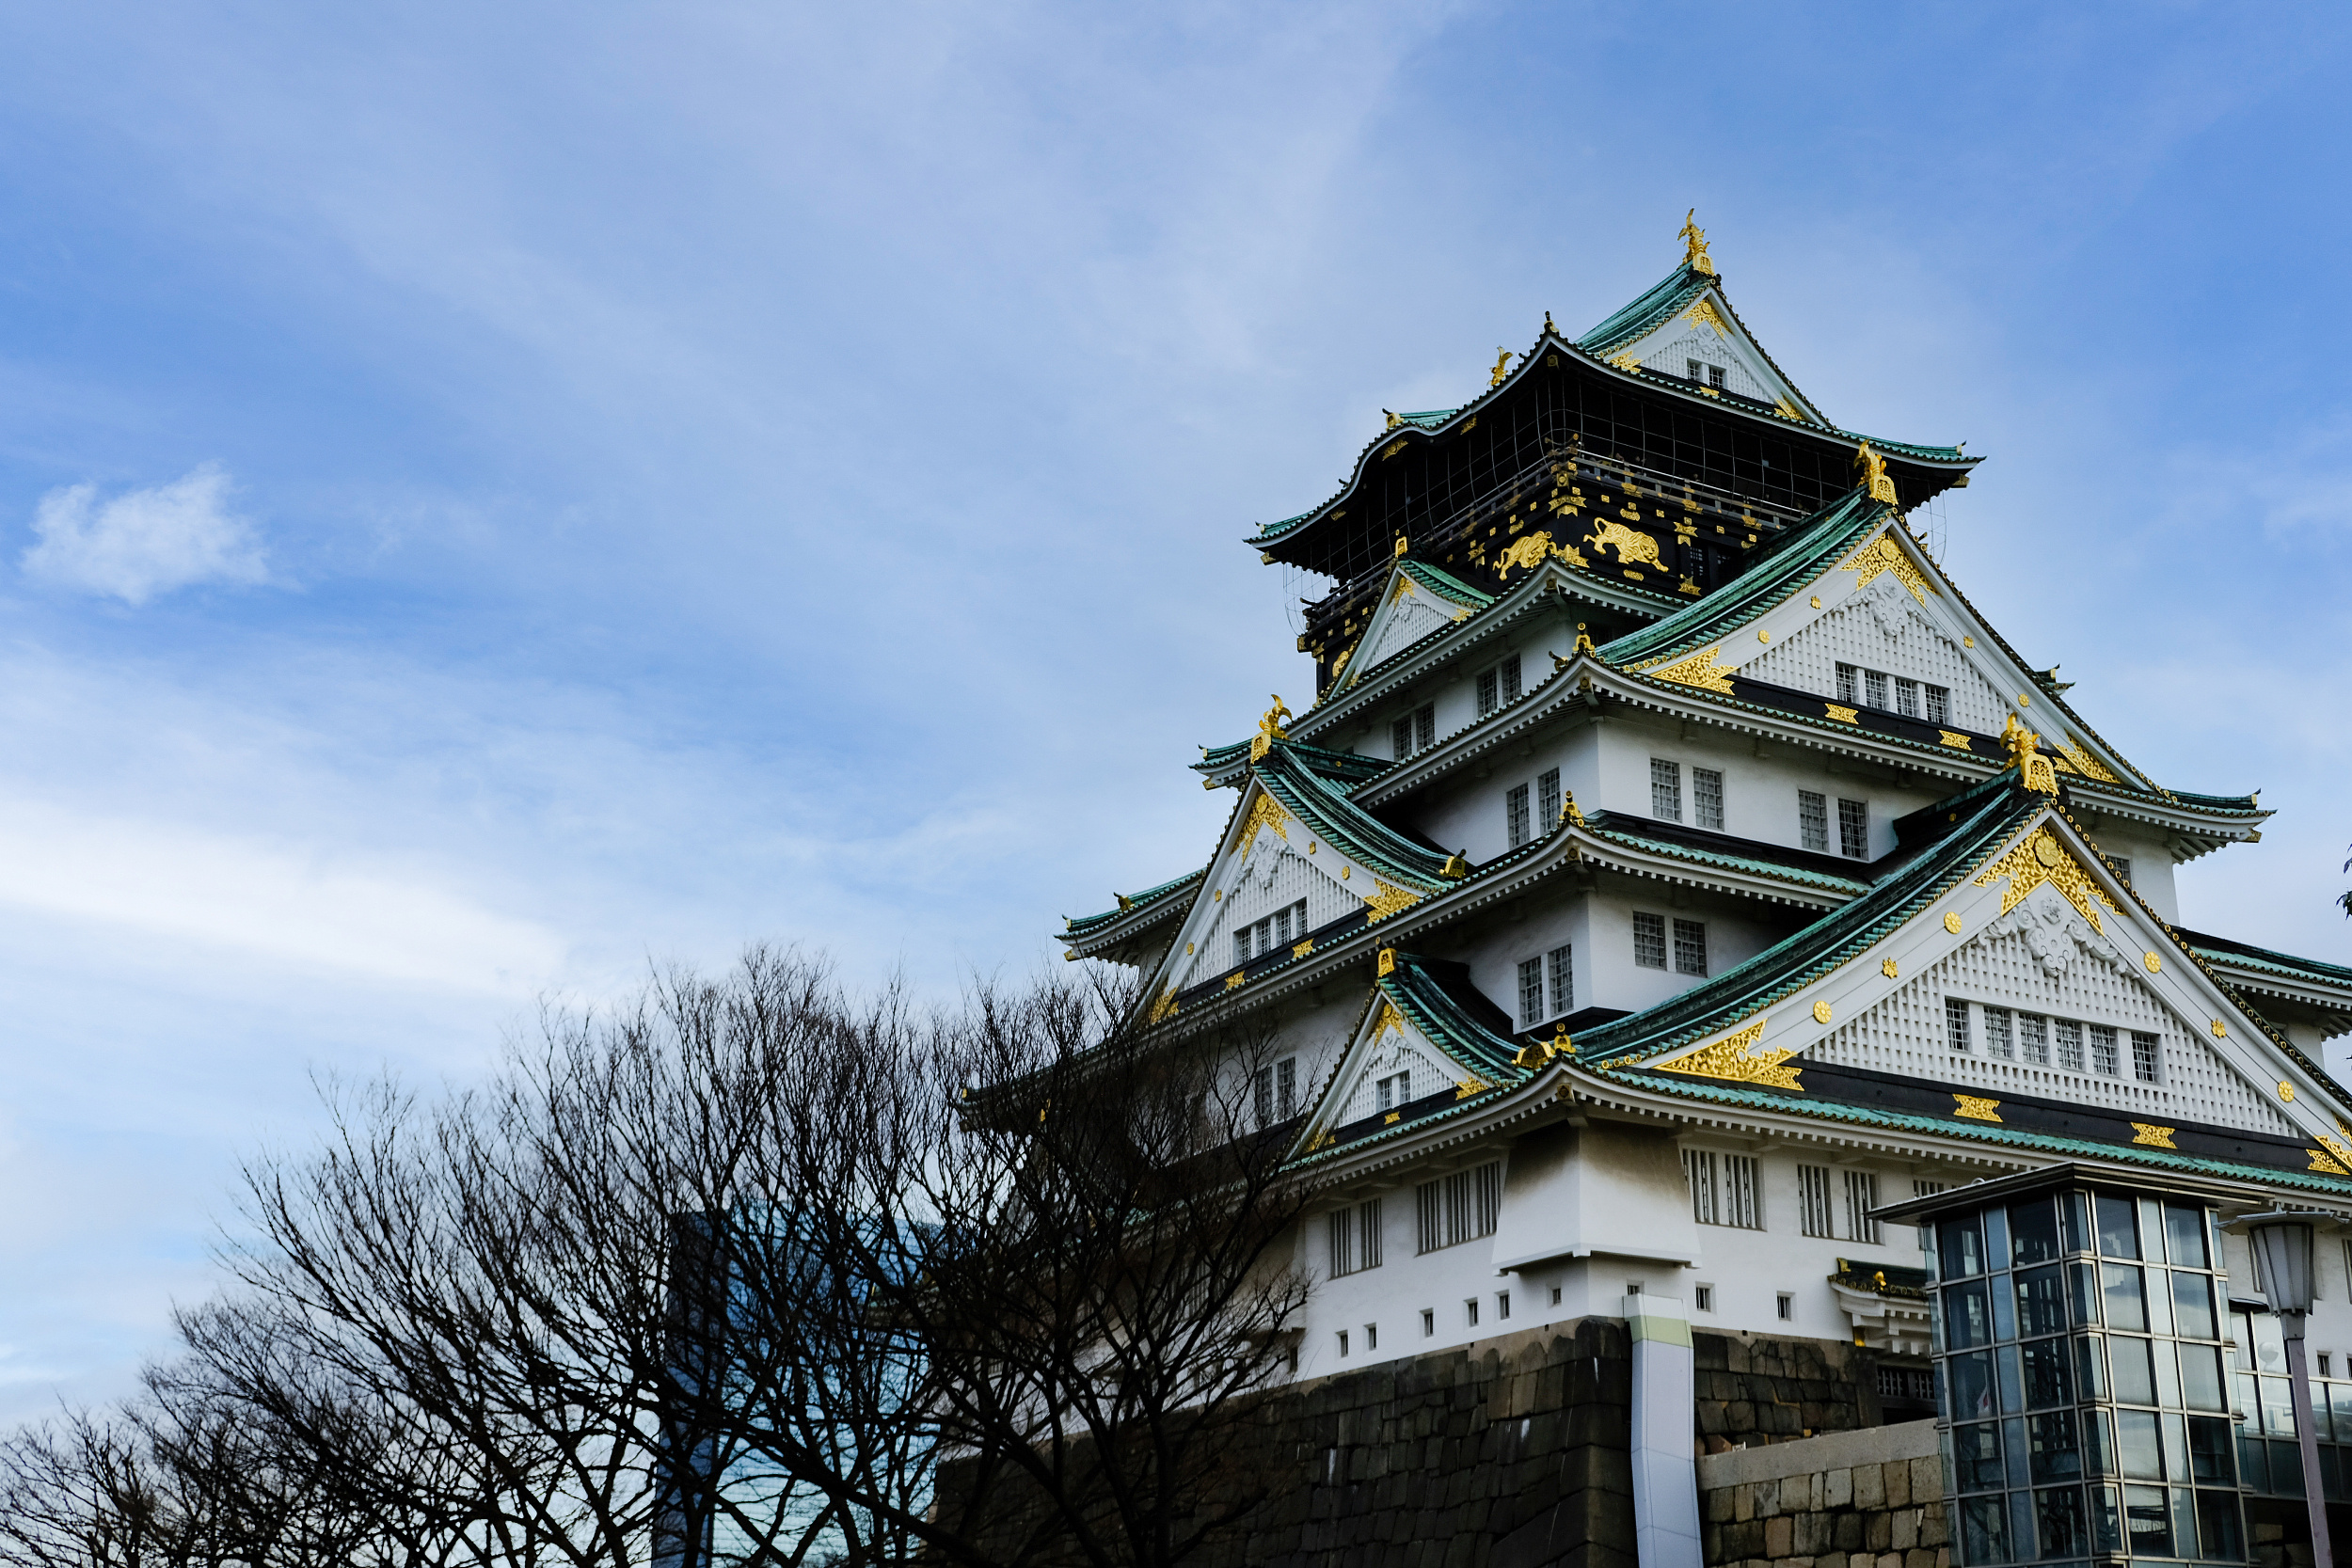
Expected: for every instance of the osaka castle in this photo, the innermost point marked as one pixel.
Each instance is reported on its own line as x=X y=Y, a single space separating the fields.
x=1679 y=905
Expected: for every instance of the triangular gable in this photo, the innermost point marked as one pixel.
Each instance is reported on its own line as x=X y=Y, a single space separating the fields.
x=1416 y=1051
x=1417 y=601
x=2037 y=926
x=1690 y=322
x=1878 y=602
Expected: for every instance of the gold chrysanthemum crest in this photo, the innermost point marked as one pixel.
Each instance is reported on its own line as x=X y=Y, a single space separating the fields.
x=1883 y=554
x=1728 y=1060
x=2039 y=858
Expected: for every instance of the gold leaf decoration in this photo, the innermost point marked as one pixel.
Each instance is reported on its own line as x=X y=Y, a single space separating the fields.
x=1265 y=811
x=1705 y=314
x=1977 y=1108
x=1390 y=900
x=2083 y=762
x=2039 y=859
x=1628 y=361
x=1955 y=740
x=1842 y=714
x=2324 y=1166
x=1699 y=670
x=1883 y=554
x=2151 y=1135
x=1162 y=1008
x=1728 y=1060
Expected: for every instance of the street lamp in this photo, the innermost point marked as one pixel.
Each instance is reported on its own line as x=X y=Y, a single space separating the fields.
x=2282 y=1242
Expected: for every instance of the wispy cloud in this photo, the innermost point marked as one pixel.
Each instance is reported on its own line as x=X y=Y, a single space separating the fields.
x=144 y=542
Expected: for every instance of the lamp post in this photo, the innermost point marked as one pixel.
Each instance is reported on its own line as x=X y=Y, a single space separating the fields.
x=2282 y=1242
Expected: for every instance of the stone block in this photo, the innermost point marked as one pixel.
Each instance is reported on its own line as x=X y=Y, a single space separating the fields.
x=1812 y=1536
x=1897 y=1482
x=1927 y=1480
x=1743 y=1501
x=1837 y=1489
x=1846 y=1534
x=1718 y=1503
x=1933 y=1528
x=1878 y=1532
x=1779 y=1535
x=1918 y=1558
x=1906 y=1529
x=1870 y=1486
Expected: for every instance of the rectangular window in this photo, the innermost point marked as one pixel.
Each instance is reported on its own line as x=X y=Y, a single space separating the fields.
x=1665 y=790
x=1697 y=371
x=1515 y=814
x=1355 y=1238
x=2144 y=1056
x=1425 y=726
x=1531 y=992
x=1698 y=1171
x=1861 y=1196
x=1649 y=940
x=1703 y=1297
x=1459 y=1207
x=1342 y=1344
x=2070 y=1043
x=2103 y=1052
x=1906 y=697
x=1286 y=1086
x=1847 y=678
x=1563 y=979
x=1489 y=692
x=1263 y=1091
x=1690 y=947
x=1469 y=1312
x=1813 y=820
x=1874 y=689
x=1428 y=1323
x=1813 y=1201
x=1786 y=1305
x=1939 y=704
x=1707 y=798
x=2033 y=1037
x=1996 y=1034
x=1282 y=926
x=1722 y=1188
x=1956 y=1025
x=1854 y=830
x=1372 y=1335
x=2121 y=866
x=1511 y=679
x=1241 y=946
x=1395 y=1091
x=1502 y=1304
x=1715 y=376
x=1547 y=799
x=1401 y=738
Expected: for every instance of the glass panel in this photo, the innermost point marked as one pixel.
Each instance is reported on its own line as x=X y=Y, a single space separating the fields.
x=2175 y=1448
x=2209 y=1451
x=2105 y=1525
x=2254 y=1462
x=1984 y=1529
x=2286 y=1469
x=2148 y=1520
x=2278 y=1409
x=2201 y=1377
x=2098 y=1443
x=2220 y=1539
x=2004 y=1307
x=1977 y=1455
x=2047 y=1373
x=1972 y=1384
x=2184 y=1235
x=1967 y=1316
x=2021 y=1522
x=2089 y=1368
x=1996 y=1238
x=2315 y=1406
x=2192 y=1306
x=2159 y=1303
x=2137 y=1445
x=2075 y=1209
x=2033 y=1231
x=2082 y=1287
x=2270 y=1351
x=2151 y=1230
x=2168 y=1375
x=2340 y=1398
x=2119 y=1283
x=2119 y=1235
x=2184 y=1519
x=2042 y=1303
x=2012 y=1387
x=2135 y=1378
x=2058 y=1517
x=1961 y=1244
x=2056 y=1456
x=2013 y=1449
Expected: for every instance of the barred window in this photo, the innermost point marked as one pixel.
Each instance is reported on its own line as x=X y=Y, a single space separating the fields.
x=1698 y=1171
x=1240 y=944
x=2103 y=1053
x=1690 y=947
x=1956 y=1025
x=1939 y=704
x=1906 y=697
x=1649 y=940
x=1425 y=726
x=2121 y=866
x=1813 y=820
x=1707 y=798
x=1459 y=1207
x=1874 y=689
x=1861 y=1196
x=1515 y=814
x=1401 y=738
x=2070 y=1043
x=1563 y=979
x=1355 y=1238
x=2033 y=1037
x=1722 y=1188
x=1531 y=992
x=2144 y=1056
x=1487 y=690
x=1548 y=798
x=1665 y=790
x=1854 y=830
x=1813 y=1200
x=1511 y=679
x=1395 y=1091
x=1276 y=1092
x=1996 y=1037
x=1847 y=678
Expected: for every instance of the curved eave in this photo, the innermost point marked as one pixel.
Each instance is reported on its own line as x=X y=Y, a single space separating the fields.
x=1091 y=935
x=1224 y=767
x=1274 y=542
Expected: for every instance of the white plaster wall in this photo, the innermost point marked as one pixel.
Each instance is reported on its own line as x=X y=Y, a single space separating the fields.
x=1604 y=956
x=2151 y=865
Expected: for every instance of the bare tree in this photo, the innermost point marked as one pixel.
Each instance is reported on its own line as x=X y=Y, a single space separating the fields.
x=739 y=1272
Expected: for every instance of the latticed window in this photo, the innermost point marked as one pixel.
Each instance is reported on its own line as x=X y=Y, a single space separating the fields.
x=2070 y=1043
x=1277 y=1092
x=2103 y=1053
x=1956 y=1025
x=1649 y=940
x=1939 y=705
x=2144 y=1066
x=1510 y=674
x=1690 y=947
x=1906 y=697
x=1707 y=798
x=1395 y=1091
x=1355 y=1238
x=1665 y=790
x=1848 y=679
x=1813 y=1201
x=1861 y=1196
x=1515 y=814
x=1563 y=979
x=1548 y=798
x=1997 y=1032
x=1416 y=731
x=1459 y=1207
x=1531 y=992
x=1874 y=688
x=2121 y=866
x=2033 y=1037
x=1813 y=820
x=1488 y=690
x=1722 y=1188
x=1854 y=830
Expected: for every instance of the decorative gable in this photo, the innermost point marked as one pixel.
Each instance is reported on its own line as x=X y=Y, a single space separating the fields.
x=1703 y=344
x=1417 y=601
x=1882 y=628
x=1274 y=866
x=1391 y=1063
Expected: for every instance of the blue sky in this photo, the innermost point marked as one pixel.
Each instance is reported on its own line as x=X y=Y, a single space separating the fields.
x=492 y=496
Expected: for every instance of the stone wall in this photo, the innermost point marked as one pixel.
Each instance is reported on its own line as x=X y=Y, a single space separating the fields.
x=1748 y=1388
x=1869 y=1499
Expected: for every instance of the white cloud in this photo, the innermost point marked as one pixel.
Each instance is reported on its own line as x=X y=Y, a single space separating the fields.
x=144 y=542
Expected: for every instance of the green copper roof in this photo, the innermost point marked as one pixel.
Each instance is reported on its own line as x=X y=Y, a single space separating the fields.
x=1346 y=767
x=2239 y=954
x=1664 y=300
x=1777 y=572
x=1129 y=903
x=1909 y=449
x=1428 y=419
x=1445 y=584
x=1613 y=828
x=1323 y=805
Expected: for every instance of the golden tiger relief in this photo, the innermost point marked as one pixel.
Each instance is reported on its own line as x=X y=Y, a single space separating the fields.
x=1633 y=547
